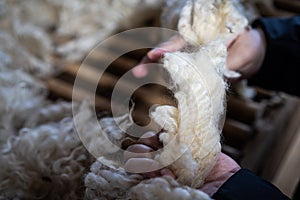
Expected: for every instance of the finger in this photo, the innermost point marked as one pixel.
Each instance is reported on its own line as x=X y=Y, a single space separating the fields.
x=137 y=151
x=235 y=58
x=142 y=165
x=230 y=42
x=174 y=44
x=157 y=53
x=141 y=70
x=150 y=139
x=224 y=167
x=167 y=172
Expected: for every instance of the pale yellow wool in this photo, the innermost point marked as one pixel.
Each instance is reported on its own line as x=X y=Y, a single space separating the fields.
x=203 y=21
x=195 y=124
x=200 y=89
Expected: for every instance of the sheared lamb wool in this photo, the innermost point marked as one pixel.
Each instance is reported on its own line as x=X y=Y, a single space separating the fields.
x=45 y=162
x=23 y=43
x=107 y=183
x=14 y=55
x=195 y=132
x=202 y=21
x=20 y=96
x=165 y=188
x=92 y=21
x=83 y=24
x=41 y=156
x=200 y=89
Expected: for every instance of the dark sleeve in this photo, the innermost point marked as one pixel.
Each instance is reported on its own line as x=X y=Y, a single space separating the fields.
x=282 y=61
x=244 y=185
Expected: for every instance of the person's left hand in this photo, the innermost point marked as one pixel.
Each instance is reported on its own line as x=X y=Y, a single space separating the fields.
x=143 y=161
x=221 y=172
x=175 y=43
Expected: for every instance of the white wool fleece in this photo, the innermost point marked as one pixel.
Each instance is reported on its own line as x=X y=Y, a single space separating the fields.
x=203 y=21
x=200 y=91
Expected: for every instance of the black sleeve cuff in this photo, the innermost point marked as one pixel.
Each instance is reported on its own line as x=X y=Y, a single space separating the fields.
x=244 y=185
x=279 y=70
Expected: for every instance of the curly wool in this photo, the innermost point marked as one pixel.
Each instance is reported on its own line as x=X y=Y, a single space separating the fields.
x=46 y=162
x=40 y=153
x=196 y=126
x=106 y=183
x=165 y=188
x=203 y=21
x=195 y=132
x=24 y=45
x=93 y=21
x=21 y=96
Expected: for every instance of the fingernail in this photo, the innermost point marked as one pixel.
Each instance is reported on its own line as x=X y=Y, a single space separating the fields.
x=156 y=53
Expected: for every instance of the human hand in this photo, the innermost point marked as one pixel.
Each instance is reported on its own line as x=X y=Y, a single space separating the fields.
x=221 y=172
x=246 y=53
x=138 y=157
x=175 y=43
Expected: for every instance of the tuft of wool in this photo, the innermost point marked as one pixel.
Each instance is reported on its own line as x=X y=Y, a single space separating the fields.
x=27 y=49
x=92 y=21
x=192 y=131
x=45 y=162
x=101 y=138
x=165 y=188
x=82 y=24
x=200 y=89
x=41 y=156
x=21 y=96
x=103 y=182
x=202 y=21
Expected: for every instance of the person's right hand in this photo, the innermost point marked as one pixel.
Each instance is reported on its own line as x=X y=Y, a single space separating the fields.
x=246 y=53
x=175 y=43
x=224 y=168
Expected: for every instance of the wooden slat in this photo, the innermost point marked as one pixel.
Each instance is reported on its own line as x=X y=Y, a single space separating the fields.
x=100 y=56
x=287 y=176
x=92 y=75
x=236 y=134
x=65 y=91
x=245 y=111
x=258 y=150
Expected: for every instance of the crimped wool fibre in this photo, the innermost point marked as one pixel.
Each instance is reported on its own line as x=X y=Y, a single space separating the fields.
x=192 y=129
x=200 y=92
x=203 y=21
